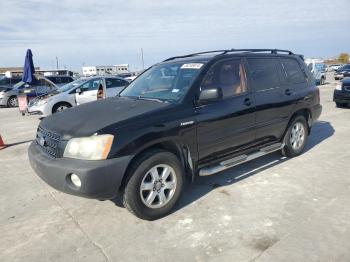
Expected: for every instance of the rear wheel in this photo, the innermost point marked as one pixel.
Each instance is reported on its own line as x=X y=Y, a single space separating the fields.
x=60 y=107
x=295 y=138
x=12 y=101
x=154 y=186
x=322 y=81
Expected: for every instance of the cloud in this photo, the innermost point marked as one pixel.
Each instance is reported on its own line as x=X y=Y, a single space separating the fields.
x=111 y=32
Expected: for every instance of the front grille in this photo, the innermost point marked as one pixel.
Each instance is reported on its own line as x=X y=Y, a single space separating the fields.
x=47 y=141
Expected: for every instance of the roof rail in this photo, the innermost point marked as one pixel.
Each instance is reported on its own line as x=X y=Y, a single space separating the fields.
x=272 y=51
x=194 y=54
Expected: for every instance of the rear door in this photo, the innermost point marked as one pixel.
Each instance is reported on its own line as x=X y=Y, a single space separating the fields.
x=228 y=124
x=114 y=86
x=273 y=97
x=88 y=91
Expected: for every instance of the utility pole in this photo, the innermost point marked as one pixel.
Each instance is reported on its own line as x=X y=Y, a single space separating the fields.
x=143 y=62
x=56 y=62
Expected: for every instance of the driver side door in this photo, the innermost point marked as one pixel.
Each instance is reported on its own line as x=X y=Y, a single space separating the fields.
x=88 y=91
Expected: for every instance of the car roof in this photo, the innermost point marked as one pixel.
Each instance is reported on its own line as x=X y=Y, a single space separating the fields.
x=213 y=55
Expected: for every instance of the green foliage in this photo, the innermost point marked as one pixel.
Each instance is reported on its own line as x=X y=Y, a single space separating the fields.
x=343 y=58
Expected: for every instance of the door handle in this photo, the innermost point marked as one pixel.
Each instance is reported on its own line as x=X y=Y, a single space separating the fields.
x=247 y=101
x=288 y=92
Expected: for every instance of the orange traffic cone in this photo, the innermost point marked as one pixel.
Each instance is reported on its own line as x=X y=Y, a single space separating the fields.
x=2 y=144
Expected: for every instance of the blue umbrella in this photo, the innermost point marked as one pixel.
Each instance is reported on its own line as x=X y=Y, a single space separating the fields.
x=28 y=69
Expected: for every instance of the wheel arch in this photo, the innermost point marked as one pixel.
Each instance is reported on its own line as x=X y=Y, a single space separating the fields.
x=181 y=151
x=305 y=112
x=60 y=102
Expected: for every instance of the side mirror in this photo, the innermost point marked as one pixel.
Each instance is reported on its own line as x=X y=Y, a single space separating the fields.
x=210 y=95
x=78 y=91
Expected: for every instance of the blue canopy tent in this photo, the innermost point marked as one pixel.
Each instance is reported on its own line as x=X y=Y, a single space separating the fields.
x=28 y=69
x=28 y=78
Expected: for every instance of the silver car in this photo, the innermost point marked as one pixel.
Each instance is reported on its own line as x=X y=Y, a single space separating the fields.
x=75 y=93
x=8 y=96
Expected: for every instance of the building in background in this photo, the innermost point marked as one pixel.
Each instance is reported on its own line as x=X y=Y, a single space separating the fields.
x=105 y=70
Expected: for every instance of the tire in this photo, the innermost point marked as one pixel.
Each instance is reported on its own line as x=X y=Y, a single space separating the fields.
x=59 y=107
x=146 y=203
x=322 y=81
x=296 y=137
x=12 y=101
x=340 y=104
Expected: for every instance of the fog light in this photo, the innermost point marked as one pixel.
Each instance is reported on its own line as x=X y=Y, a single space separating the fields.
x=75 y=180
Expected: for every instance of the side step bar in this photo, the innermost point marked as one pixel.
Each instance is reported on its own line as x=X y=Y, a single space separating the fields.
x=206 y=171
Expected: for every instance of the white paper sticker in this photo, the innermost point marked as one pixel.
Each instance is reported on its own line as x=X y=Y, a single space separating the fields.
x=192 y=66
x=175 y=90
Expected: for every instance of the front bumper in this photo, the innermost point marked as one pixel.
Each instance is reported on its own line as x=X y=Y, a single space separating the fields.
x=100 y=179
x=341 y=96
x=38 y=110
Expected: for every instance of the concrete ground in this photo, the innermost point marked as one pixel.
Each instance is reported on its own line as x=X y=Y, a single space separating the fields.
x=271 y=209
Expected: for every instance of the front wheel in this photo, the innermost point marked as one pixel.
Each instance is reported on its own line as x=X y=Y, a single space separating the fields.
x=12 y=101
x=295 y=138
x=154 y=186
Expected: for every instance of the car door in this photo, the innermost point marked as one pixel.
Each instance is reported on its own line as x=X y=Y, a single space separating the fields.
x=114 y=86
x=88 y=91
x=273 y=97
x=226 y=125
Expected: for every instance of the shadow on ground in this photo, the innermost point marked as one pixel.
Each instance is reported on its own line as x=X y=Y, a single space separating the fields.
x=203 y=185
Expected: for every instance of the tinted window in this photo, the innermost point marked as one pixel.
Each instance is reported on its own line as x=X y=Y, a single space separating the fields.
x=264 y=73
x=4 y=81
x=43 y=86
x=293 y=71
x=114 y=82
x=228 y=75
x=15 y=81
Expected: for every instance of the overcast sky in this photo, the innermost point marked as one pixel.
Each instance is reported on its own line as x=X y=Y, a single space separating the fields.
x=108 y=32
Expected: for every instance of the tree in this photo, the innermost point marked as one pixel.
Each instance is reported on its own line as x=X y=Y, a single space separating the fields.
x=343 y=58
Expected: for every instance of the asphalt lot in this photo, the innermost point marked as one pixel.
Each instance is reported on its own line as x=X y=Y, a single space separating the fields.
x=271 y=209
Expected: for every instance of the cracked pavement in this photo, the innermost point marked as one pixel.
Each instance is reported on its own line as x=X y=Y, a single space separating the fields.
x=270 y=209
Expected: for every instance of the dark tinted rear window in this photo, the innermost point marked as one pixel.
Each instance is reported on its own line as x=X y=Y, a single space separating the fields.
x=293 y=71
x=264 y=73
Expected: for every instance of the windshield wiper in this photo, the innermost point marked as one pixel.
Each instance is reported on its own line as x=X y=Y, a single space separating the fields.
x=151 y=99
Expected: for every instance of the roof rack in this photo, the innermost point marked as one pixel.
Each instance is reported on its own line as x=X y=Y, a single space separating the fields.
x=222 y=52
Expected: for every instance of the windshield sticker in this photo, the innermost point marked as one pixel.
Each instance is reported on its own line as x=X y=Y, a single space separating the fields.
x=175 y=90
x=192 y=66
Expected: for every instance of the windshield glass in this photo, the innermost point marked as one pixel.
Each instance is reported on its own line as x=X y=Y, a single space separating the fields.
x=19 y=85
x=165 y=82
x=71 y=85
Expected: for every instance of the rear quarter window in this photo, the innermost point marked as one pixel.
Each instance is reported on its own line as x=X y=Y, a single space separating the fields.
x=293 y=71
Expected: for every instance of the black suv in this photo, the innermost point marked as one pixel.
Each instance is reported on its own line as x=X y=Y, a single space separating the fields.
x=341 y=95
x=188 y=116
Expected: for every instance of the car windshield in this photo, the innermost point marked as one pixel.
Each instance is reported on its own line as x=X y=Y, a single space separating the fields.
x=71 y=85
x=18 y=85
x=166 y=82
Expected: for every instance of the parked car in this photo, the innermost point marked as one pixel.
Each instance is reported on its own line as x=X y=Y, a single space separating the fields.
x=188 y=116
x=335 y=66
x=42 y=86
x=341 y=95
x=318 y=69
x=78 y=92
x=342 y=72
x=6 y=82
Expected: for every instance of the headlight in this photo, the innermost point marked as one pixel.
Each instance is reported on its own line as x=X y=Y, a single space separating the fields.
x=339 y=86
x=89 y=148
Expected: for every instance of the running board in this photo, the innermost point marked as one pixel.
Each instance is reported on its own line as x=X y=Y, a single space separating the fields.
x=207 y=171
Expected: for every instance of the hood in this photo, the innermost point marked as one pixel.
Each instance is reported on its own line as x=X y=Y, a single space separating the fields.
x=87 y=119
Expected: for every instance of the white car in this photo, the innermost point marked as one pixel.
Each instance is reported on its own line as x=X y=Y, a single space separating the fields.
x=75 y=93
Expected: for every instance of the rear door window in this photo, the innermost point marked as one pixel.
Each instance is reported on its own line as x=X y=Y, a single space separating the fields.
x=264 y=73
x=293 y=71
